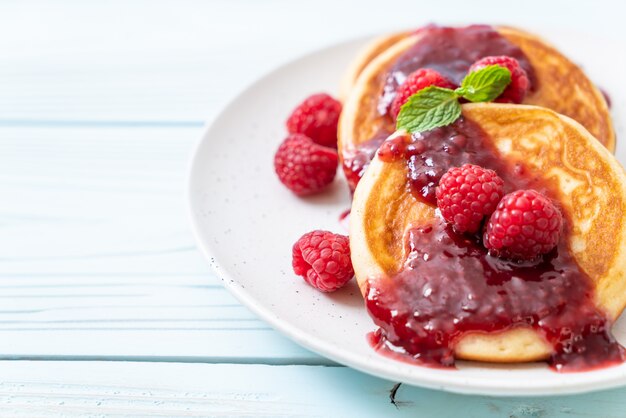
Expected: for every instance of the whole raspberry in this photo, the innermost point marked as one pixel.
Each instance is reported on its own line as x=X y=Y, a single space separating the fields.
x=467 y=194
x=415 y=82
x=516 y=91
x=525 y=225
x=316 y=117
x=323 y=260
x=304 y=166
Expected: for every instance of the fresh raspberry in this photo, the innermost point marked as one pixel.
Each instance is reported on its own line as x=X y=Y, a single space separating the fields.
x=516 y=91
x=316 y=117
x=304 y=166
x=323 y=260
x=525 y=225
x=416 y=81
x=467 y=194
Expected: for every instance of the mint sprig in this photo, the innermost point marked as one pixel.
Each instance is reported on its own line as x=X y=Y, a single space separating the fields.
x=434 y=106
x=429 y=108
x=485 y=84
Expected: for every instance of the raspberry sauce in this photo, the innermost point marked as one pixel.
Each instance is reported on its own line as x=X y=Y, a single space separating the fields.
x=450 y=285
x=430 y=154
x=344 y=220
x=450 y=51
x=356 y=161
x=607 y=98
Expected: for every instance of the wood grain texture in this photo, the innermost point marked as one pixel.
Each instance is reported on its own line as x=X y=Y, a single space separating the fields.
x=97 y=259
x=181 y=61
x=100 y=105
x=71 y=389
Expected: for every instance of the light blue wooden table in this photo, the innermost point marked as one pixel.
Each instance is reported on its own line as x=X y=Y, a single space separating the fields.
x=107 y=307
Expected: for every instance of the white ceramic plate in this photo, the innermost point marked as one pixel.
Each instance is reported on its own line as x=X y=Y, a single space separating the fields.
x=246 y=222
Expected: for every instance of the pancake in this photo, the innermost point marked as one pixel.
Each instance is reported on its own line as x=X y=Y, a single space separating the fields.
x=580 y=174
x=558 y=84
x=364 y=57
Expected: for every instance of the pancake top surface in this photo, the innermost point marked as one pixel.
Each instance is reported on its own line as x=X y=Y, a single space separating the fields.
x=451 y=52
x=556 y=154
x=553 y=77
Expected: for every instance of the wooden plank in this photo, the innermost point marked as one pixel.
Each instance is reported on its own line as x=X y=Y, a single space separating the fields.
x=217 y=390
x=158 y=60
x=96 y=256
x=181 y=61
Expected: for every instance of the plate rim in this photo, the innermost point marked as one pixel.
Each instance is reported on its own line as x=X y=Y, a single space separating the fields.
x=597 y=379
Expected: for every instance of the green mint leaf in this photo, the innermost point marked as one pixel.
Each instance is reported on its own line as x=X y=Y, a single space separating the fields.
x=428 y=109
x=485 y=84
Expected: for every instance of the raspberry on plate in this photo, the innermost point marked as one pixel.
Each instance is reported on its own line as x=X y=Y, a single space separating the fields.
x=467 y=194
x=304 y=166
x=525 y=225
x=416 y=81
x=516 y=91
x=316 y=117
x=322 y=258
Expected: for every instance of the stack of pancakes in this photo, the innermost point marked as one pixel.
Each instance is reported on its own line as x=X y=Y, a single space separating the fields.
x=562 y=132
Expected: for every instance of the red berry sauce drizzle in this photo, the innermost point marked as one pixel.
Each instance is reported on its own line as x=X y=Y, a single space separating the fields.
x=607 y=98
x=356 y=161
x=344 y=220
x=450 y=285
x=450 y=51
